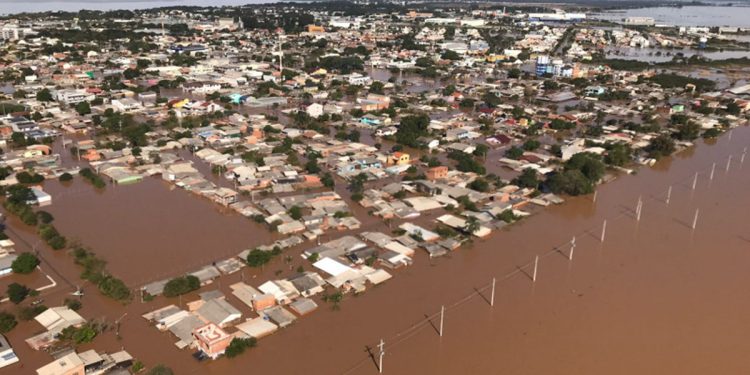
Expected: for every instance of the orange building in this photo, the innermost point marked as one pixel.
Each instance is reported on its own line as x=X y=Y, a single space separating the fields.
x=315 y=29
x=436 y=173
x=212 y=340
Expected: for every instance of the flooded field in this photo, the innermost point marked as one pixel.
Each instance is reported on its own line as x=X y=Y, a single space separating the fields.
x=654 y=297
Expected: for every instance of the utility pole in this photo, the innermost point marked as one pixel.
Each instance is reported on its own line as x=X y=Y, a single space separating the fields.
x=536 y=266
x=695 y=218
x=729 y=162
x=604 y=231
x=595 y=193
x=381 y=346
x=695 y=180
x=442 y=317
x=713 y=167
x=117 y=324
x=638 y=209
x=669 y=194
x=492 y=296
x=572 y=248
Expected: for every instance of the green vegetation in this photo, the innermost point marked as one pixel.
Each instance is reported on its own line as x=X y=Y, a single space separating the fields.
x=93 y=178
x=660 y=146
x=467 y=163
x=527 y=179
x=25 y=263
x=73 y=304
x=160 y=370
x=80 y=335
x=671 y=80
x=181 y=285
x=17 y=292
x=258 y=258
x=28 y=178
x=411 y=129
x=334 y=298
x=238 y=346
x=94 y=270
x=7 y=322
x=579 y=176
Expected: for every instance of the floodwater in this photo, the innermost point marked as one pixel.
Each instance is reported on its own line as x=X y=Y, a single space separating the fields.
x=654 y=297
x=142 y=227
x=18 y=6
x=734 y=16
x=657 y=55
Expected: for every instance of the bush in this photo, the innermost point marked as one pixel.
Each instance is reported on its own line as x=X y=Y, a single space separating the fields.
x=25 y=263
x=7 y=322
x=65 y=177
x=79 y=335
x=93 y=178
x=238 y=346
x=30 y=312
x=73 y=304
x=160 y=370
x=181 y=285
x=114 y=288
x=44 y=217
x=57 y=242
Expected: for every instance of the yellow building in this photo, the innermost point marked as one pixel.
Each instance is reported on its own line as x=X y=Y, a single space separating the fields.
x=400 y=158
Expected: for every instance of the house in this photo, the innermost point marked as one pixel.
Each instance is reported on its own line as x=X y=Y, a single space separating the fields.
x=211 y=340
x=314 y=110
x=399 y=158
x=6 y=263
x=70 y=364
x=218 y=311
x=7 y=355
x=126 y=105
x=436 y=173
x=357 y=79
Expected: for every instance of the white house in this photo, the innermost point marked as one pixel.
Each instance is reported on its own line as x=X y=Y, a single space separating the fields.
x=7 y=355
x=358 y=79
x=314 y=110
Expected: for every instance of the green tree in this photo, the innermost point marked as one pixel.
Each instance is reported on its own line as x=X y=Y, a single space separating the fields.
x=472 y=225
x=571 y=182
x=44 y=95
x=25 y=263
x=83 y=108
x=527 y=179
x=257 y=258
x=662 y=145
x=514 y=153
x=587 y=163
x=17 y=292
x=181 y=285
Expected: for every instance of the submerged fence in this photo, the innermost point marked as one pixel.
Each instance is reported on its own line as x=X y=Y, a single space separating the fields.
x=530 y=268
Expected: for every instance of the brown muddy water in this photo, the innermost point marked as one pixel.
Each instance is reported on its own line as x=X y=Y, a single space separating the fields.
x=654 y=297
